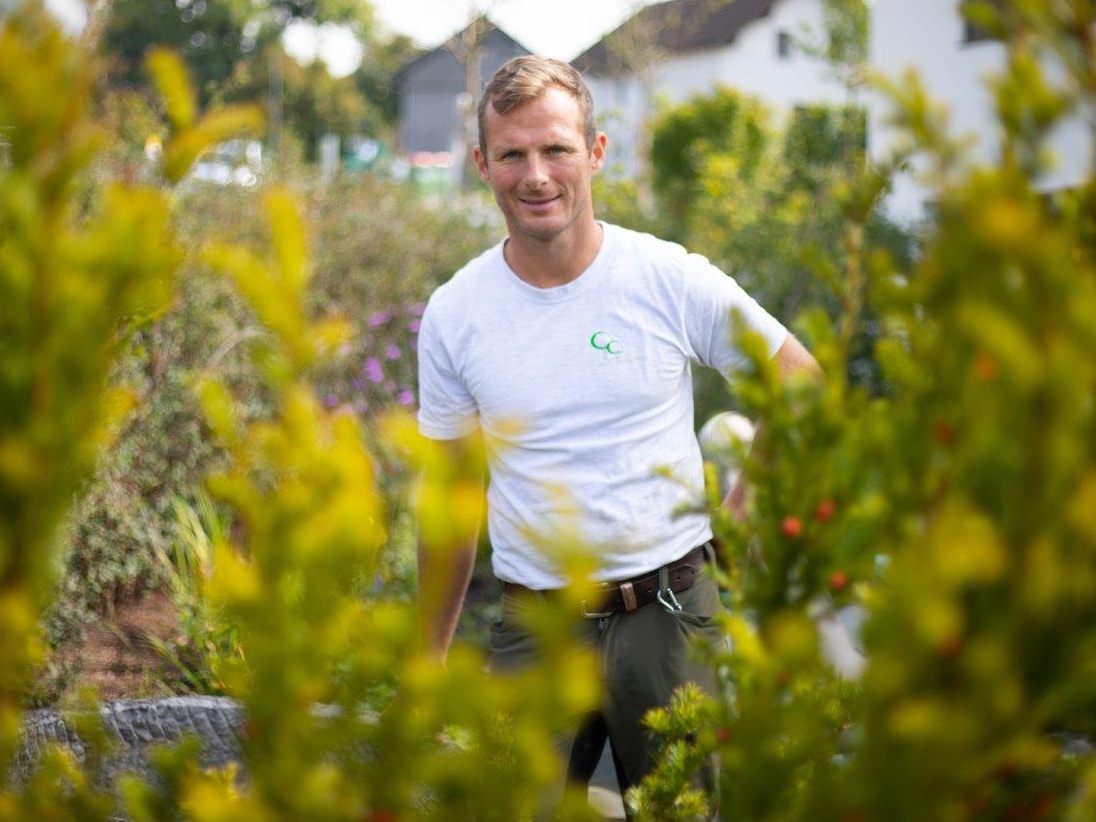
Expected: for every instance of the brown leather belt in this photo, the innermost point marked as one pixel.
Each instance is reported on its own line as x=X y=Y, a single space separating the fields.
x=629 y=594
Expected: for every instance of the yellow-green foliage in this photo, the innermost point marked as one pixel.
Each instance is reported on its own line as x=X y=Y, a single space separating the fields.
x=294 y=575
x=69 y=283
x=73 y=283
x=957 y=508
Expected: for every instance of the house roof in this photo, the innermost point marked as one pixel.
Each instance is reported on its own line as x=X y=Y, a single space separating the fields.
x=454 y=44
x=676 y=26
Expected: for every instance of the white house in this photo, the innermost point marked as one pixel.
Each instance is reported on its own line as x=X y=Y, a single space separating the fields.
x=953 y=60
x=677 y=49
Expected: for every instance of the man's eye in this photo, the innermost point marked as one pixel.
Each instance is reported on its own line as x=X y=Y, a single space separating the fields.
x=557 y=150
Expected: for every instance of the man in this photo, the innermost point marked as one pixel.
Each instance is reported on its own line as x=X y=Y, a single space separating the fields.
x=582 y=333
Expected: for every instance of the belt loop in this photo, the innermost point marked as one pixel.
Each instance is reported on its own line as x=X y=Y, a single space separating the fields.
x=628 y=594
x=665 y=595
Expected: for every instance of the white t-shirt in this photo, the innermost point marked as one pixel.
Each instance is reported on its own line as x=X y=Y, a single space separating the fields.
x=583 y=393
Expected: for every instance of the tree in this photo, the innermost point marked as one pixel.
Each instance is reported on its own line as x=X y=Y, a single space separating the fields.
x=764 y=204
x=685 y=136
x=375 y=79
x=209 y=34
x=232 y=50
x=310 y=102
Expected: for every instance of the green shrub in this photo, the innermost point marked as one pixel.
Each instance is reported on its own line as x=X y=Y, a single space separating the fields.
x=125 y=517
x=958 y=508
x=72 y=284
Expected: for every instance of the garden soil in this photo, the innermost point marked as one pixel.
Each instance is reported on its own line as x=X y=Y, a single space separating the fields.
x=116 y=657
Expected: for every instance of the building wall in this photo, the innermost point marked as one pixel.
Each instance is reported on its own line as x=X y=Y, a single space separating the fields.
x=428 y=102
x=928 y=37
x=750 y=64
x=430 y=89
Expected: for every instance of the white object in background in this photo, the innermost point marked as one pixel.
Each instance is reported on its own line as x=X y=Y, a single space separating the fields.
x=719 y=439
x=839 y=639
x=329 y=156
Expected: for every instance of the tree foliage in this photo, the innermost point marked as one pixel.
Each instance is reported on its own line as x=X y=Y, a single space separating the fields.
x=232 y=50
x=724 y=123
x=208 y=34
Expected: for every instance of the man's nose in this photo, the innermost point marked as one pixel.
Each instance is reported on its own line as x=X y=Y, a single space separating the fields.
x=536 y=171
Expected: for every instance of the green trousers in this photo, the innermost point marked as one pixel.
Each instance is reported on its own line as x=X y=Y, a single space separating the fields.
x=644 y=655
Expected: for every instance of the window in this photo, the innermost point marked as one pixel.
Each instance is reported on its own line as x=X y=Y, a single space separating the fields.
x=783 y=45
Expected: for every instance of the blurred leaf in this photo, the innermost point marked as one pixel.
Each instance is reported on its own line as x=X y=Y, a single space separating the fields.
x=170 y=78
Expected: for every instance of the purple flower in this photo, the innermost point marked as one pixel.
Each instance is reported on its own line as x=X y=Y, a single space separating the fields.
x=378 y=319
x=418 y=308
x=414 y=326
x=373 y=371
x=407 y=397
x=392 y=352
x=357 y=384
x=331 y=400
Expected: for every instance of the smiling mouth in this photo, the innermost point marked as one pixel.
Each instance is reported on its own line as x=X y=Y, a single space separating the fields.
x=529 y=202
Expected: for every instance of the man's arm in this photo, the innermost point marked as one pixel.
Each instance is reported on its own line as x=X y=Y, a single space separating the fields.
x=446 y=556
x=791 y=359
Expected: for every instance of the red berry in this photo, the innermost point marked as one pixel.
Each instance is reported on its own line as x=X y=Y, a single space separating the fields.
x=791 y=527
x=943 y=432
x=825 y=510
x=723 y=735
x=839 y=581
x=985 y=366
x=950 y=648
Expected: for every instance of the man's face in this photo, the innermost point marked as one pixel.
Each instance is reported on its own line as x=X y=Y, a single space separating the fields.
x=539 y=166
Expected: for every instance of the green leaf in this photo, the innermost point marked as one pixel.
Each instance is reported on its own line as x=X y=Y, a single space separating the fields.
x=169 y=75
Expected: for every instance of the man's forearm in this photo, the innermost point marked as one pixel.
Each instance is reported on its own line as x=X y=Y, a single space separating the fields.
x=448 y=538
x=792 y=359
x=443 y=581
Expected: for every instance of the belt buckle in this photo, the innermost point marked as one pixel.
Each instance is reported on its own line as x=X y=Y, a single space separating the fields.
x=596 y=614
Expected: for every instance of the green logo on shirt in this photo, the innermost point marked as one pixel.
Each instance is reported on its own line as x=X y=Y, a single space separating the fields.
x=602 y=341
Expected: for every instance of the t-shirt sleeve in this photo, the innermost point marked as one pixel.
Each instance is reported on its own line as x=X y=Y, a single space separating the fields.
x=446 y=409
x=711 y=300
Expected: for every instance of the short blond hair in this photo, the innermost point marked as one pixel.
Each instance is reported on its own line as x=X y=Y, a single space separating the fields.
x=524 y=79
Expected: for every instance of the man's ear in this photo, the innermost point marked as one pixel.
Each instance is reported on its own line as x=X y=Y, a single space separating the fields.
x=481 y=165
x=597 y=151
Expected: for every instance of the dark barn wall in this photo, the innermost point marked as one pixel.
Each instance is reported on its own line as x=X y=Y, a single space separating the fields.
x=429 y=88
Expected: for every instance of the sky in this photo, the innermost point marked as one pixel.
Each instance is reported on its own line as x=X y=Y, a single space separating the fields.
x=552 y=28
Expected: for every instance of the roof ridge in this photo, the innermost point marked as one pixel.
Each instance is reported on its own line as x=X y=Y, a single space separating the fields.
x=663 y=26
